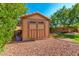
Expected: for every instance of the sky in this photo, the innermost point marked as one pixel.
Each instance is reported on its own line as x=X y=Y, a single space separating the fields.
x=46 y=9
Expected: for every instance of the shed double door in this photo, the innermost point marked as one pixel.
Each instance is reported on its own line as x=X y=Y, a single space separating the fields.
x=36 y=30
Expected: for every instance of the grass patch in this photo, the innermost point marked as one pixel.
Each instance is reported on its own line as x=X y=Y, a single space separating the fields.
x=74 y=37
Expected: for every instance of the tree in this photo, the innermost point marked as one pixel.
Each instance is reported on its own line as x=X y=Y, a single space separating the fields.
x=66 y=17
x=9 y=13
x=60 y=18
x=74 y=16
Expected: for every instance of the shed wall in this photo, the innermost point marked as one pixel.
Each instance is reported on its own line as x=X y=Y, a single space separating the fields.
x=35 y=18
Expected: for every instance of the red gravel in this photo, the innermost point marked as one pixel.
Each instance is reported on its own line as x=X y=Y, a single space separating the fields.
x=48 y=47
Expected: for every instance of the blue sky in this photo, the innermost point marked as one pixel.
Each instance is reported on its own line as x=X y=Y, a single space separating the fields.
x=46 y=8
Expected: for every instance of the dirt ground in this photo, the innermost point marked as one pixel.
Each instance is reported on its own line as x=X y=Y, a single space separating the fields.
x=45 y=47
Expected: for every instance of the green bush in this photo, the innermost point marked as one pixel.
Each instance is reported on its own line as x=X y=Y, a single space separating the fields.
x=9 y=13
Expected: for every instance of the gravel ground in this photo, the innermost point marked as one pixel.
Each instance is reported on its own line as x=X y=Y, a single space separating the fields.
x=46 y=47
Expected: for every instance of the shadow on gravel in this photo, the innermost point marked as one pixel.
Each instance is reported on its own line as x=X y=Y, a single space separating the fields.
x=21 y=41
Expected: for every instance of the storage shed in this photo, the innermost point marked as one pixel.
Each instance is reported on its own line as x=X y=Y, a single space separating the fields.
x=34 y=26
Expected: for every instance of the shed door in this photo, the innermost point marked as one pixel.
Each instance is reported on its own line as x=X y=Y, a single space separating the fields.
x=41 y=30
x=32 y=28
x=36 y=30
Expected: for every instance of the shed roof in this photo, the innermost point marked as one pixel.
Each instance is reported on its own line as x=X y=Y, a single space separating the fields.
x=36 y=13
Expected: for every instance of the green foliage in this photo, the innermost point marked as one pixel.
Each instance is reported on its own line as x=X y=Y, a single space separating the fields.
x=9 y=13
x=59 y=19
x=73 y=37
x=66 y=17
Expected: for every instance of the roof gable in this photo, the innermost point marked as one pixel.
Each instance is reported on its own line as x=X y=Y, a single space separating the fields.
x=36 y=13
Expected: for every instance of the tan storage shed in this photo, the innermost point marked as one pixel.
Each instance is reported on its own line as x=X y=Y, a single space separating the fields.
x=34 y=26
